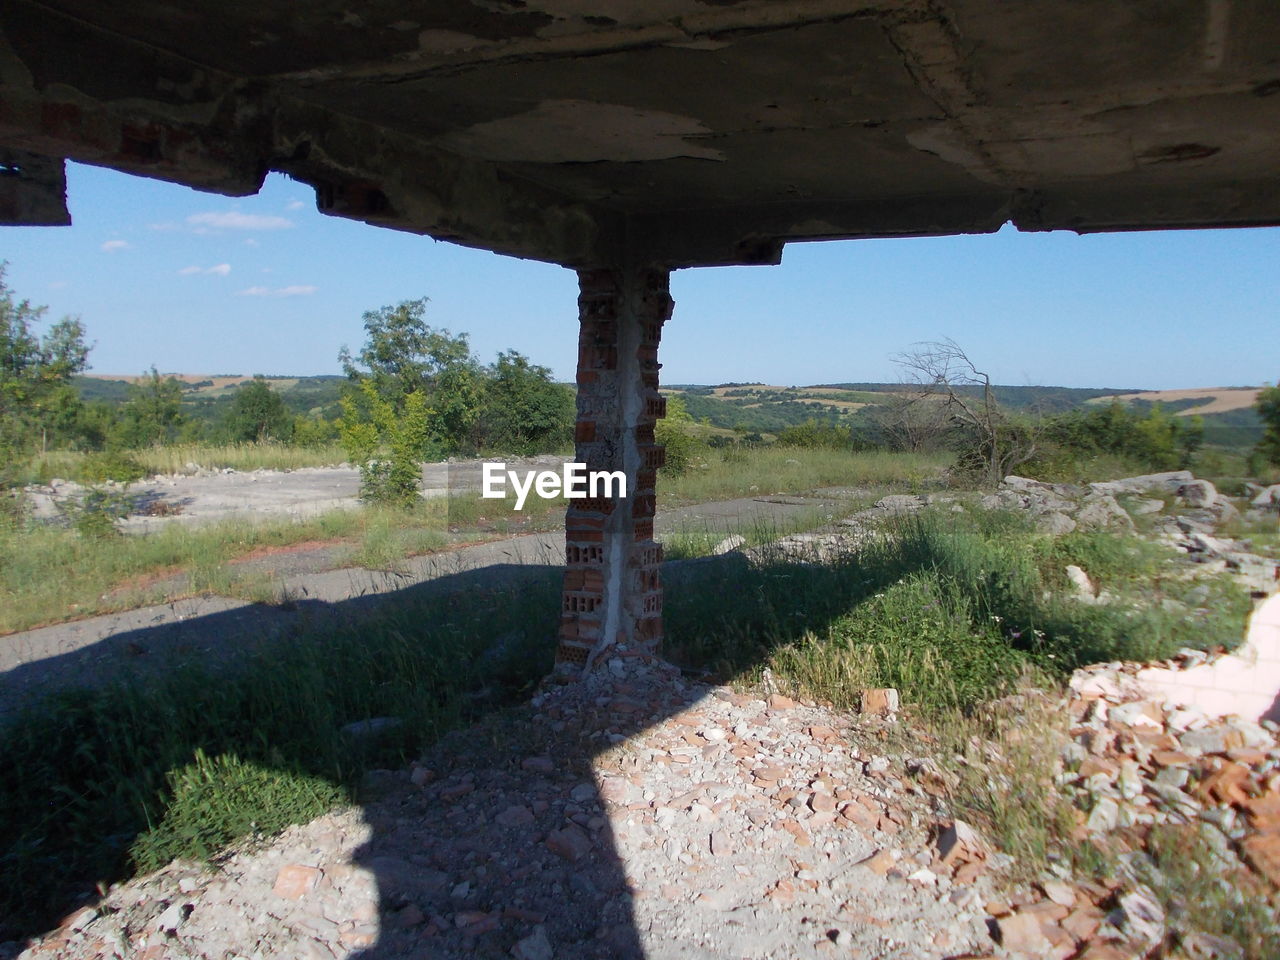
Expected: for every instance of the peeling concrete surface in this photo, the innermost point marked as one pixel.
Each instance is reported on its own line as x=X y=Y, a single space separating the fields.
x=682 y=132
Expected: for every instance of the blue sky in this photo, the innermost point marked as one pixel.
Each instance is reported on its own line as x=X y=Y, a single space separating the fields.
x=199 y=283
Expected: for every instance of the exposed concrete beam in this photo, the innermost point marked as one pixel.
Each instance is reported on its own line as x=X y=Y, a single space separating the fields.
x=33 y=190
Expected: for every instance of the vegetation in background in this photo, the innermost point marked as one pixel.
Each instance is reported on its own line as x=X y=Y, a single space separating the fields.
x=258 y=414
x=523 y=411
x=679 y=434
x=1268 y=408
x=38 y=406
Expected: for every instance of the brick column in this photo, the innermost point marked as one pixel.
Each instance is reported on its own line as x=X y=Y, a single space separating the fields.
x=612 y=588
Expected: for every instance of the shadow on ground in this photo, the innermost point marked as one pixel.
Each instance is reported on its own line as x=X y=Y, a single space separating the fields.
x=487 y=635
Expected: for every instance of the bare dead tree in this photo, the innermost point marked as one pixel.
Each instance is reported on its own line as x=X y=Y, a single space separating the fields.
x=990 y=440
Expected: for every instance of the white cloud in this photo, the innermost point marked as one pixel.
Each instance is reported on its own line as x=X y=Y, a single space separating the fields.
x=111 y=246
x=294 y=205
x=251 y=242
x=221 y=270
x=234 y=220
x=298 y=290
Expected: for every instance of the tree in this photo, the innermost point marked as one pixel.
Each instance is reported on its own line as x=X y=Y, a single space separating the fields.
x=524 y=411
x=36 y=396
x=258 y=413
x=1268 y=407
x=404 y=355
x=153 y=411
x=370 y=425
x=988 y=442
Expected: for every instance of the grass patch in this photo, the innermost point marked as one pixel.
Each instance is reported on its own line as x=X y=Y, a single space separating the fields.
x=728 y=474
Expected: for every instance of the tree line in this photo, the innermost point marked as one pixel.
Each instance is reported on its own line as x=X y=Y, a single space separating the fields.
x=511 y=405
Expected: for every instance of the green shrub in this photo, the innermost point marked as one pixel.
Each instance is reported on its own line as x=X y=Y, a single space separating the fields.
x=678 y=433
x=215 y=800
x=113 y=465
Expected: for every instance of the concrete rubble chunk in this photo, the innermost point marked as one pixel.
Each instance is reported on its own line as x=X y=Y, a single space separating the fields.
x=295 y=880
x=536 y=946
x=729 y=544
x=880 y=702
x=1020 y=933
x=572 y=843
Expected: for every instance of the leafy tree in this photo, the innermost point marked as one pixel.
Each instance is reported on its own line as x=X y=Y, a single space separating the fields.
x=258 y=413
x=153 y=412
x=36 y=396
x=1268 y=407
x=524 y=411
x=403 y=355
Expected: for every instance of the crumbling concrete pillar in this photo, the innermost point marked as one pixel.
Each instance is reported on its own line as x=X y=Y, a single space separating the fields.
x=612 y=588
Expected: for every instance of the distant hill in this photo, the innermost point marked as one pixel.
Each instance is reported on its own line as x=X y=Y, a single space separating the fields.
x=207 y=396
x=767 y=408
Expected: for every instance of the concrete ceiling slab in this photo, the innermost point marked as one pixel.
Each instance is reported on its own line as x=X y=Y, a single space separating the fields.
x=683 y=131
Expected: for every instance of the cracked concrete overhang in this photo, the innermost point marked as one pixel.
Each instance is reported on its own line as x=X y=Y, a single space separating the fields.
x=684 y=131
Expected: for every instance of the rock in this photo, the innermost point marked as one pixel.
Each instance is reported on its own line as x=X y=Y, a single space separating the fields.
x=515 y=816
x=1060 y=892
x=1142 y=506
x=1207 y=946
x=899 y=503
x=1054 y=523
x=295 y=881
x=880 y=862
x=536 y=946
x=1216 y=739
x=1101 y=511
x=1268 y=497
x=1080 y=583
x=1198 y=493
x=572 y=843
x=1162 y=482
x=777 y=701
x=729 y=544
x=370 y=729
x=1020 y=933
x=1104 y=816
x=538 y=764
x=880 y=702
x=1141 y=917
x=959 y=843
